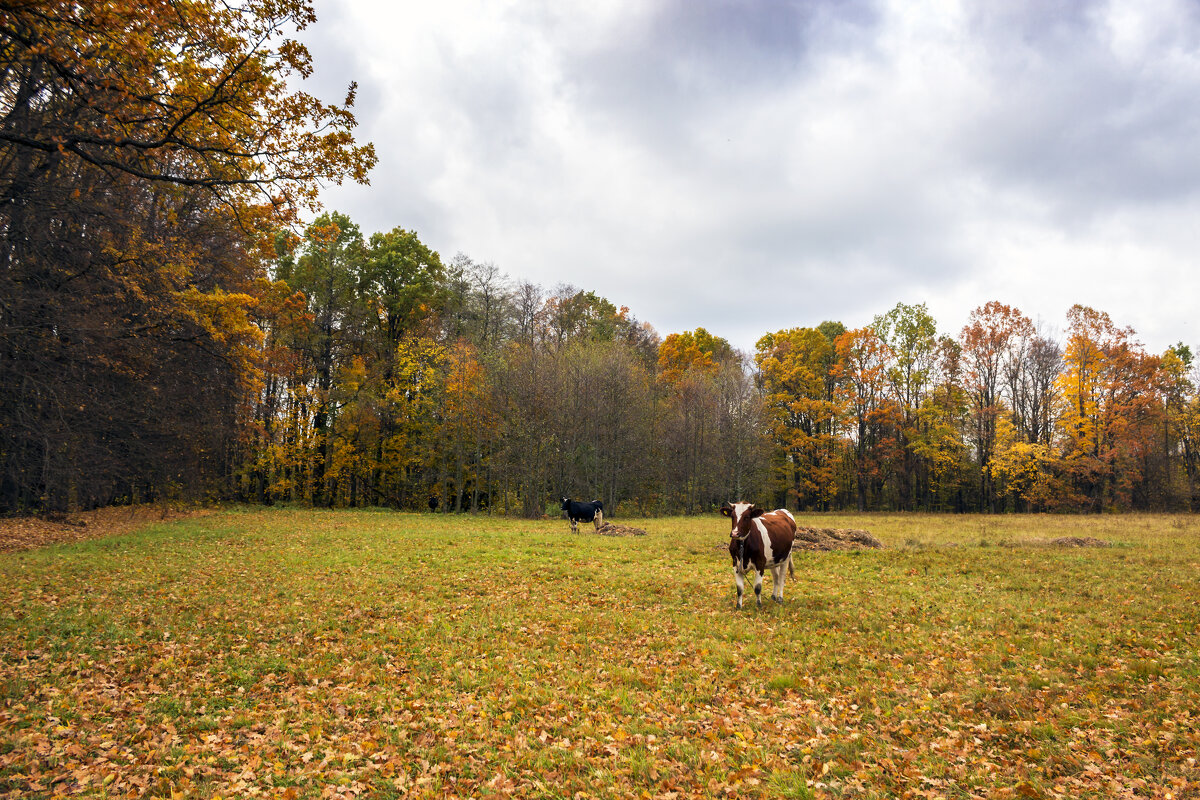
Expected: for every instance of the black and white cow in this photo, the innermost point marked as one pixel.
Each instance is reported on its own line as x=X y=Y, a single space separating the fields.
x=760 y=541
x=583 y=512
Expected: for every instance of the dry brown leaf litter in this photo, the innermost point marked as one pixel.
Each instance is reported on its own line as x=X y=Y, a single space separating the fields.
x=26 y=533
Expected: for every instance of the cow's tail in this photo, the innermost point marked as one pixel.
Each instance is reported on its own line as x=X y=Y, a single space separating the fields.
x=791 y=572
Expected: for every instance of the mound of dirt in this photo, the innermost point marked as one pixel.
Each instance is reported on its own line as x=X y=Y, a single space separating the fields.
x=609 y=529
x=1079 y=541
x=835 y=539
x=24 y=533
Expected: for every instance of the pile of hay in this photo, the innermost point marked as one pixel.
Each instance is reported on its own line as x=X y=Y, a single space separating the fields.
x=834 y=539
x=608 y=529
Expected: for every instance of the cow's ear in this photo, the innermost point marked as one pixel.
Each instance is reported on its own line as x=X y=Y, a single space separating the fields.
x=755 y=511
x=727 y=510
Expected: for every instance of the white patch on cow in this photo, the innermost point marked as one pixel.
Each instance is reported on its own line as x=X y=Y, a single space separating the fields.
x=779 y=573
x=766 y=540
x=736 y=516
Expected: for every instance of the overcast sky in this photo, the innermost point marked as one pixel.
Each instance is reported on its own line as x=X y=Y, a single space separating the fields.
x=758 y=165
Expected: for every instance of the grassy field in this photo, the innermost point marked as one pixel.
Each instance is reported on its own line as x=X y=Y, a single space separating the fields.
x=286 y=653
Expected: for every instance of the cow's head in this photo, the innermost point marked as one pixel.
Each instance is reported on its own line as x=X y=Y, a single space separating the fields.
x=740 y=514
x=566 y=504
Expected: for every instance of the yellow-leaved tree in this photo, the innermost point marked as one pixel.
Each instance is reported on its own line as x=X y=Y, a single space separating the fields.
x=1109 y=410
x=1023 y=470
x=410 y=452
x=796 y=367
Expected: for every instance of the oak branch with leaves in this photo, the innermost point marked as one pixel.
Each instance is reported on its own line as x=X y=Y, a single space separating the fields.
x=193 y=94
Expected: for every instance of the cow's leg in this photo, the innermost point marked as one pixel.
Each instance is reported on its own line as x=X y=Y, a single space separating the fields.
x=780 y=578
x=741 y=585
x=758 y=586
x=574 y=525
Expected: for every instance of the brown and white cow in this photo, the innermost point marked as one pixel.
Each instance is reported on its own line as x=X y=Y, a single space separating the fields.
x=760 y=540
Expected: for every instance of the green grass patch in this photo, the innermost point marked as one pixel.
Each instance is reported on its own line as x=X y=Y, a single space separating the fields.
x=294 y=652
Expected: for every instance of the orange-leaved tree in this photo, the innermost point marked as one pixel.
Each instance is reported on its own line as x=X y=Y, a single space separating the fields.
x=691 y=350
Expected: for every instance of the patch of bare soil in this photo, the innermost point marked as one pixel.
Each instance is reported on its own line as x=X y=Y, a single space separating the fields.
x=1062 y=541
x=835 y=539
x=26 y=533
x=609 y=529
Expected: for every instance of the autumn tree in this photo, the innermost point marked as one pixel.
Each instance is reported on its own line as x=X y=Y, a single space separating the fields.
x=410 y=465
x=910 y=334
x=1181 y=413
x=327 y=269
x=860 y=373
x=987 y=341
x=1109 y=406
x=145 y=150
x=698 y=350
x=369 y=305
x=1024 y=471
x=688 y=364
x=402 y=287
x=794 y=366
x=938 y=439
x=273 y=456
x=468 y=423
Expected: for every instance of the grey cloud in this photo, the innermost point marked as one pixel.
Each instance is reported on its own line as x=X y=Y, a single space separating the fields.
x=690 y=67
x=1071 y=121
x=339 y=63
x=832 y=157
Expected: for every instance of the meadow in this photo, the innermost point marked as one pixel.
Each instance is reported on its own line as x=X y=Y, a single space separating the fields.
x=300 y=653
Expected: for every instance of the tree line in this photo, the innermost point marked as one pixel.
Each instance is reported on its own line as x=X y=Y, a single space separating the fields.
x=392 y=379
x=170 y=329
